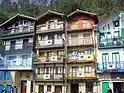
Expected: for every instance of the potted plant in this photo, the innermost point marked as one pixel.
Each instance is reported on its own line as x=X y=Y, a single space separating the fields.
x=101 y=44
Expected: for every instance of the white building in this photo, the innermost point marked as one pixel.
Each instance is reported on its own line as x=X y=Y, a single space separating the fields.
x=110 y=55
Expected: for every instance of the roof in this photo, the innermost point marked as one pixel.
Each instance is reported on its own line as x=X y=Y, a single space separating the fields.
x=111 y=16
x=94 y=15
x=81 y=11
x=17 y=15
x=50 y=12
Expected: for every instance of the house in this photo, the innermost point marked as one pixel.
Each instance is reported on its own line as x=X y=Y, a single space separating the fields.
x=16 y=56
x=110 y=61
x=49 y=62
x=81 y=46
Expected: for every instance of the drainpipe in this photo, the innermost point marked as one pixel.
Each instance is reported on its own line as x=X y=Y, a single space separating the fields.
x=66 y=56
x=33 y=49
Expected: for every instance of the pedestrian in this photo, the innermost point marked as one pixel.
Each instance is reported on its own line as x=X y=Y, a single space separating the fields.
x=109 y=90
x=4 y=90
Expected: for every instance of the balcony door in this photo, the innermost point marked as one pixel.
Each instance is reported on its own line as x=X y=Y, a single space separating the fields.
x=74 y=71
x=105 y=60
x=116 y=59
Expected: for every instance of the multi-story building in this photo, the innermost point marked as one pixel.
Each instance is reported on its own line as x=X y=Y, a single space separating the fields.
x=49 y=63
x=110 y=59
x=81 y=52
x=16 y=57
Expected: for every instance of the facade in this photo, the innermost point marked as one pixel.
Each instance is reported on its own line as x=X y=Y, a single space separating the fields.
x=81 y=52
x=49 y=62
x=110 y=62
x=16 y=55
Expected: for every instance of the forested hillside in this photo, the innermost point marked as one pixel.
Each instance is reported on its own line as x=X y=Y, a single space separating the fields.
x=102 y=7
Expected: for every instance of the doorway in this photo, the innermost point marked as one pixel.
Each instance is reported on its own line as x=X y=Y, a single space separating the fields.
x=74 y=88
x=118 y=87
x=23 y=86
x=41 y=88
x=58 y=89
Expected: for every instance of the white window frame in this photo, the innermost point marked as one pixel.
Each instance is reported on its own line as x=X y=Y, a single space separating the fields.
x=7 y=45
x=19 y=44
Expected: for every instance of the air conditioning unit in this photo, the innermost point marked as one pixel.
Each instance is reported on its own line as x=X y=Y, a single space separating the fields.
x=49 y=42
x=53 y=58
x=89 y=57
x=111 y=66
x=80 y=74
x=46 y=76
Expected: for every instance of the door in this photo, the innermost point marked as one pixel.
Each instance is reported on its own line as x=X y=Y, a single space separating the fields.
x=74 y=88
x=105 y=85
x=89 y=87
x=105 y=60
x=41 y=88
x=116 y=60
x=8 y=88
x=58 y=89
x=1 y=87
x=23 y=87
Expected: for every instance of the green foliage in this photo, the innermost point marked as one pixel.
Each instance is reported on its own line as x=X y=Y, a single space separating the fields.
x=103 y=8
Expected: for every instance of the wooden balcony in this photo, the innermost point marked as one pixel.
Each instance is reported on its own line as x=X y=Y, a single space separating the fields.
x=81 y=75
x=80 y=26
x=49 y=43
x=46 y=28
x=81 y=41
x=49 y=77
x=48 y=60
x=81 y=58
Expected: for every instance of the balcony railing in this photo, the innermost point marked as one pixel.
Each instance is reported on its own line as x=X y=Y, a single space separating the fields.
x=16 y=64
x=52 y=59
x=110 y=67
x=80 y=26
x=50 y=43
x=82 y=58
x=18 y=30
x=51 y=76
x=81 y=75
x=110 y=42
x=81 y=41
x=49 y=27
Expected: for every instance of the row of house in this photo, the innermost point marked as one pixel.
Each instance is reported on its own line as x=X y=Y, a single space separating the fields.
x=55 y=53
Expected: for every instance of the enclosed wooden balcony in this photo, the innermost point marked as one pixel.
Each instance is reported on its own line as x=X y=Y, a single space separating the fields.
x=81 y=58
x=18 y=30
x=80 y=25
x=81 y=75
x=80 y=41
x=48 y=60
x=45 y=28
x=49 y=77
x=49 y=43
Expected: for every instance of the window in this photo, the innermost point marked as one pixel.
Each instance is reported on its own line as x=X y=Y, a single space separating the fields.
x=116 y=34
x=7 y=45
x=103 y=28
x=19 y=44
x=48 y=88
x=25 y=29
x=25 y=57
x=5 y=75
x=1 y=75
x=59 y=70
x=43 y=38
x=49 y=70
x=74 y=35
x=86 y=35
x=105 y=57
x=108 y=27
x=115 y=57
x=59 y=36
x=87 y=69
x=11 y=57
x=75 y=70
x=108 y=35
x=116 y=23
